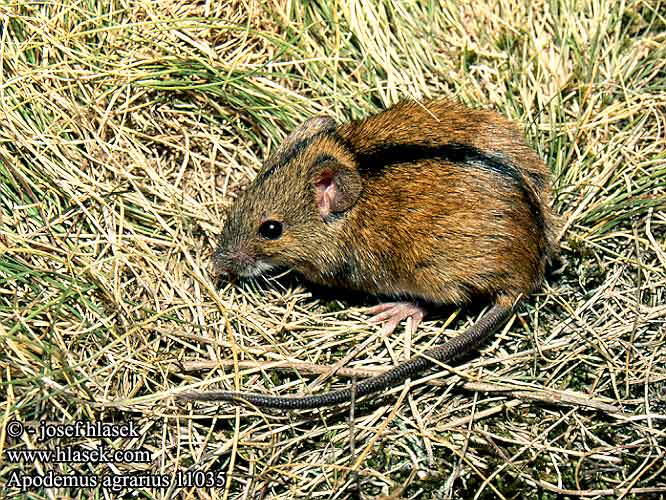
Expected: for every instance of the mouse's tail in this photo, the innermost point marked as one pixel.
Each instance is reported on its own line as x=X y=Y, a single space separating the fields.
x=453 y=348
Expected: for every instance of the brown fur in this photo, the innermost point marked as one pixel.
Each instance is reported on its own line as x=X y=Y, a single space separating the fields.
x=433 y=202
x=429 y=229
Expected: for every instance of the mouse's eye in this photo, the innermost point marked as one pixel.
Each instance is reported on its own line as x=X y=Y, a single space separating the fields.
x=271 y=230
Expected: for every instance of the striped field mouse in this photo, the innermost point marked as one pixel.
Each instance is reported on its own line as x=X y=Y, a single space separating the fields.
x=426 y=202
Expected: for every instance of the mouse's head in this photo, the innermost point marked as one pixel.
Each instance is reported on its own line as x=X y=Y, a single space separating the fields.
x=290 y=214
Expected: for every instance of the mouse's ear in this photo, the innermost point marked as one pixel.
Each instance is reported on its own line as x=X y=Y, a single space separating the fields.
x=337 y=186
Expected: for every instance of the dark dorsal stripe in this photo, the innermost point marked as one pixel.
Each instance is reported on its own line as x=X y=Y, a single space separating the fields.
x=292 y=152
x=375 y=162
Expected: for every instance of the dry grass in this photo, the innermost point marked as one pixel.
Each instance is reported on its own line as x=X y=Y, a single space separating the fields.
x=126 y=128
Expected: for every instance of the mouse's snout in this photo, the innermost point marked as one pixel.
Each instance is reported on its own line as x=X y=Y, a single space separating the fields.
x=232 y=260
x=237 y=260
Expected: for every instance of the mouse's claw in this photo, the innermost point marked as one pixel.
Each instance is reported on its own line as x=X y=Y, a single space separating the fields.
x=394 y=312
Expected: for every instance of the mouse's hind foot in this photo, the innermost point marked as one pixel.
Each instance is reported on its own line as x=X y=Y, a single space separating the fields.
x=394 y=312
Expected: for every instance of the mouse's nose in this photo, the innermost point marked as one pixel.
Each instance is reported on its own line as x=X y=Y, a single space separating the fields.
x=233 y=261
